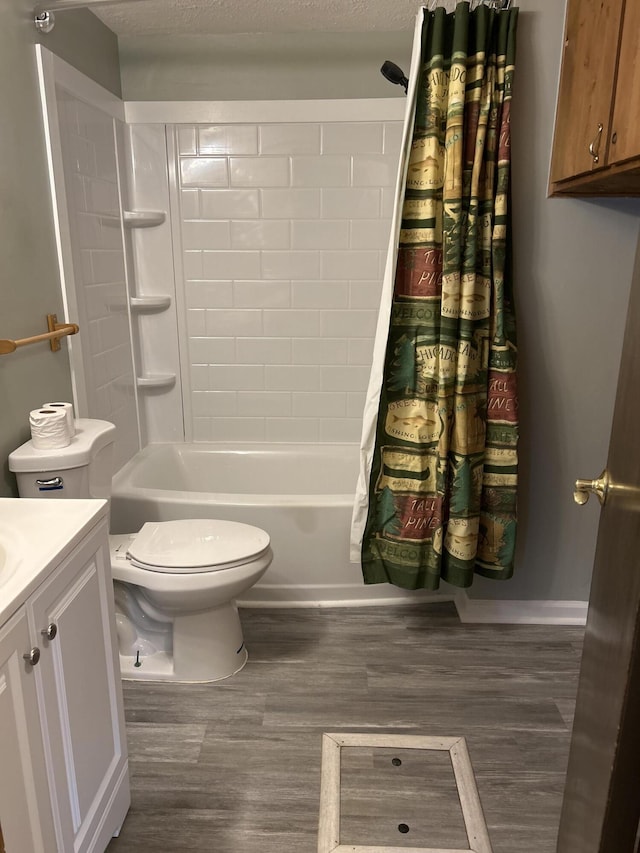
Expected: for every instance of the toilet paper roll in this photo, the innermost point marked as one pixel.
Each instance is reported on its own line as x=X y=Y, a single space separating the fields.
x=49 y=429
x=68 y=407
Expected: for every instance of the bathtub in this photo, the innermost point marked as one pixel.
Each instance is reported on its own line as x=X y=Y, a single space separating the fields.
x=302 y=495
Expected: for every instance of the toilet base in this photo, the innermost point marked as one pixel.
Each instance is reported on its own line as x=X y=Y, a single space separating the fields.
x=206 y=647
x=159 y=667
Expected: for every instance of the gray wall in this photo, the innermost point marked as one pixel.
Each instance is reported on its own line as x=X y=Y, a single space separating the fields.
x=573 y=265
x=261 y=66
x=29 y=282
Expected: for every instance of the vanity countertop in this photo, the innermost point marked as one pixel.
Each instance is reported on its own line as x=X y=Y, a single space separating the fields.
x=35 y=536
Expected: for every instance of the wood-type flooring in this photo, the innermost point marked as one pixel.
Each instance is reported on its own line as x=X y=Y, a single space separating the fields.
x=234 y=767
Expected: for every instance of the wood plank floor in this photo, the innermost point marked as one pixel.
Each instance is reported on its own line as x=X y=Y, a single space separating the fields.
x=234 y=767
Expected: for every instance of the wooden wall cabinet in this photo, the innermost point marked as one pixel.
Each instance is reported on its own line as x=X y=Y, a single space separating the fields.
x=596 y=146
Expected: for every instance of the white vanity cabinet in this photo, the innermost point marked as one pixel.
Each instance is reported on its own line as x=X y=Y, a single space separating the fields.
x=61 y=715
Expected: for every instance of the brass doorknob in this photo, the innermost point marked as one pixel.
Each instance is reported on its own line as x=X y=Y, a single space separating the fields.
x=598 y=487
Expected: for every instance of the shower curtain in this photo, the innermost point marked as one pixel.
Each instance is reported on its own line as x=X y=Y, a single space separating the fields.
x=436 y=496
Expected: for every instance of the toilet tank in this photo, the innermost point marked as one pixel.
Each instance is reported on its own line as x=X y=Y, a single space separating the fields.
x=83 y=469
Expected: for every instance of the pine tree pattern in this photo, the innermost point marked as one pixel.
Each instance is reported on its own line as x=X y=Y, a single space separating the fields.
x=402 y=375
x=386 y=514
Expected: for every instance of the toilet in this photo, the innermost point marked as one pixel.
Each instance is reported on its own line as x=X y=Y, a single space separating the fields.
x=175 y=582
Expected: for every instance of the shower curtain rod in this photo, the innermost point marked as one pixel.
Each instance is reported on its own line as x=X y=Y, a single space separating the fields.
x=44 y=11
x=497 y=5
x=63 y=5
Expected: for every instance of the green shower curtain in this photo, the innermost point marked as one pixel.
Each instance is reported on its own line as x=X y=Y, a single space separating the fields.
x=442 y=489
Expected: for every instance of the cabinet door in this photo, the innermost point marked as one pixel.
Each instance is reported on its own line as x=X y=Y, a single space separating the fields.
x=625 y=129
x=80 y=695
x=587 y=82
x=25 y=811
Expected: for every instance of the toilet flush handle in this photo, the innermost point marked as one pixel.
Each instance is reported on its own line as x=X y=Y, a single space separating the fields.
x=50 y=484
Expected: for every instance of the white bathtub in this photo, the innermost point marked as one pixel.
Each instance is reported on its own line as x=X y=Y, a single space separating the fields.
x=302 y=495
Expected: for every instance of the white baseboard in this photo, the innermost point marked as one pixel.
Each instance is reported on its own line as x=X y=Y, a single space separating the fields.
x=470 y=610
x=520 y=612
x=334 y=595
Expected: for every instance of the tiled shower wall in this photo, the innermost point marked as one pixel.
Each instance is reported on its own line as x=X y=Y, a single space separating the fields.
x=100 y=290
x=284 y=231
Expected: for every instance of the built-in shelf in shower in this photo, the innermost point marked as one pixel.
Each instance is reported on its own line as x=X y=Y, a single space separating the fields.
x=156 y=380
x=143 y=218
x=149 y=303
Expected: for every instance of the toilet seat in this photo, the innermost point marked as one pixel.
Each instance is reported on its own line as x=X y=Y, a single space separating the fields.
x=191 y=546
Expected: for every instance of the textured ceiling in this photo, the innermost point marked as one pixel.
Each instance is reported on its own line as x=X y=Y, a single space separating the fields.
x=191 y=17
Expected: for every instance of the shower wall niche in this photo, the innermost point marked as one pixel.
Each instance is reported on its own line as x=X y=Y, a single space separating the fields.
x=241 y=276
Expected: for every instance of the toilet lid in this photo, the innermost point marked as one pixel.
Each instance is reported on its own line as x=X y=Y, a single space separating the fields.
x=193 y=545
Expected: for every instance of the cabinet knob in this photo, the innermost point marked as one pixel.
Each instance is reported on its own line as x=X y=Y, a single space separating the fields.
x=33 y=656
x=50 y=632
x=594 y=146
